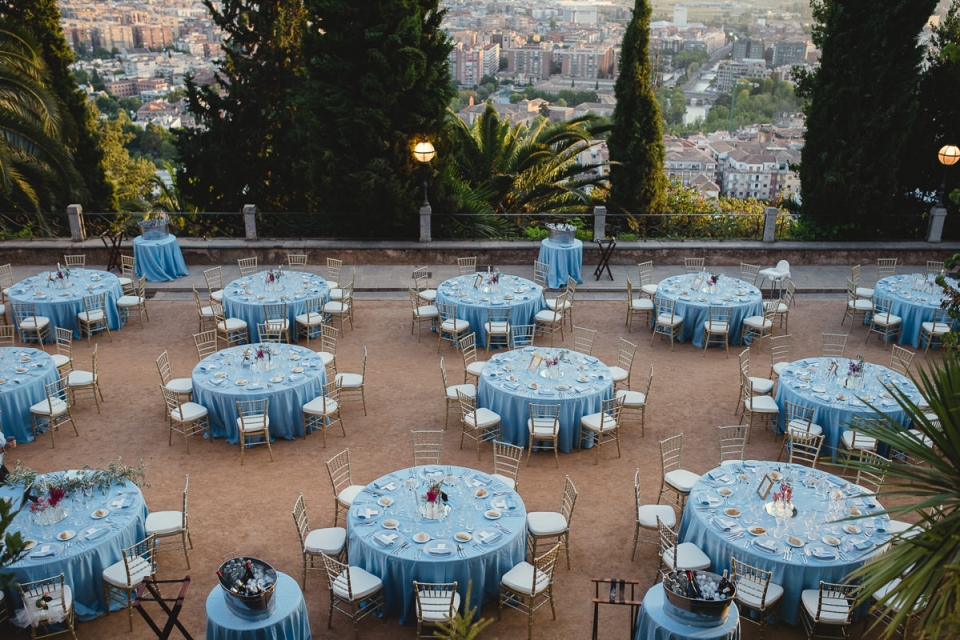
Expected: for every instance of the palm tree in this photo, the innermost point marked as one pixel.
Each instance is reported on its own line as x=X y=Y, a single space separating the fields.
x=929 y=562
x=33 y=156
x=516 y=169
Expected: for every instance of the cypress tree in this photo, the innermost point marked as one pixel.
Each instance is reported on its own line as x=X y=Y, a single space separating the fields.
x=637 y=181
x=860 y=108
x=248 y=150
x=377 y=82
x=42 y=18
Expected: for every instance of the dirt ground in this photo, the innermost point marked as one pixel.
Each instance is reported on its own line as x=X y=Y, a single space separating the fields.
x=247 y=511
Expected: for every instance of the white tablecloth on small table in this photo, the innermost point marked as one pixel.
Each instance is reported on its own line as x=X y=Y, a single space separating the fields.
x=564 y=260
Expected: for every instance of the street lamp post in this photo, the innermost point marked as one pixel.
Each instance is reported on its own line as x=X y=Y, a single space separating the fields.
x=424 y=152
x=948 y=156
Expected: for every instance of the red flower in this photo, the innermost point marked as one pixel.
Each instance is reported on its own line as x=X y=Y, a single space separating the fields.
x=432 y=495
x=270 y=277
x=56 y=495
x=259 y=353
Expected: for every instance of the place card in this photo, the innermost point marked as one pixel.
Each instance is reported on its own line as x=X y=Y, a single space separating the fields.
x=478 y=281
x=763 y=489
x=535 y=361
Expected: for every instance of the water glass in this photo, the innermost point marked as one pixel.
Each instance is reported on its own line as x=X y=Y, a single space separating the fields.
x=406 y=525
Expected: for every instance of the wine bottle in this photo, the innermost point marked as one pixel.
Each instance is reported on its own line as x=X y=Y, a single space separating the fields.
x=725 y=587
x=694 y=589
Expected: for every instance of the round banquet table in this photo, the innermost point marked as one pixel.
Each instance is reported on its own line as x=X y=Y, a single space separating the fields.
x=653 y=623
x=914 y=305
x=244 y=298
x=706 y=524
x=808 y=383
x=564 y=260
x=523 y=297
x=20 y=391
x=743 y=300
x=215 y=386
x=63 y=305
x=508 y=386
x=372 y=548
x=290 y=621
x=97 y=545
x=158 y=260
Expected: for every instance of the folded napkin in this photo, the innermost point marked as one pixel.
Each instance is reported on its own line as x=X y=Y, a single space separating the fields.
x=751 y=464
x=122 y=502
x=766 y=544
x=477 y=481
x=440 y=549
x=433 y=470
x=294 y=377
x=385 y=539
x=513 y=386
x=822 y=396
x=866 y=503
x=255 y=385
x=724 y=524
x=880 y=524
x=591 y=359
x=716 y=474
x=582 y=389
x=822 y=553
x=547 y=392
x=488 y=537
x=862 y=545
x=367 y=512
x=504 y=504
x=385 y=483
x=94 y=532
x=703 y=497
x=43 y=552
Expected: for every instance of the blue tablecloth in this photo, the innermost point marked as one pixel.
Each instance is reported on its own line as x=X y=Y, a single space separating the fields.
x=822 y=393
x=290 y=621
x=505 y=388
x=159 y=260
x=82 y=562
x=20 y=391
x=215 y=387
x=744 y=300
x=484 y=564
x=654 y=624
x=244 y=298
x=564 y=260
x=63 y=305
x=914 y=305
x=704 y=516
x=523 y=297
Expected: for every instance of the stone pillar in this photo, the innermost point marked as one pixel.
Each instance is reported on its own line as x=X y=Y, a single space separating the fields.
x=935 y=225
x=425 y=222
x=250 y=221
x=770 y=224
x=78 y=232
x=599 y=223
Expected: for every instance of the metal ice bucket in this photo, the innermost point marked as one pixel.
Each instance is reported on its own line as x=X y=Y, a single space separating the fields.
x=254 y=607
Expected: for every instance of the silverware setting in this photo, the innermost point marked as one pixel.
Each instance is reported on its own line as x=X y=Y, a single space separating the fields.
x=399 y=549
x=803 y=557
x=502 y=528
x=736 y=536
x=461 y=552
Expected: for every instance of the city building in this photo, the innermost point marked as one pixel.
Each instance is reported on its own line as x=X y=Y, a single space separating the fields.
x=732 y=70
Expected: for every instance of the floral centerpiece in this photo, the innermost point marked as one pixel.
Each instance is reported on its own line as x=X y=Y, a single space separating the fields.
x=552 y=367
x=783 y=499
x=492 y=283
x=855 y=373
x=47 y=508
x=270 y=282
x=48 y=486
x=434 y=501
x=60 y=277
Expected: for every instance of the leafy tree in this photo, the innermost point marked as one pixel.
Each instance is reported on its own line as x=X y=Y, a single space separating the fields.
x=245 y=151
x=42 y=18
x=35 y=164
x=377 y=81
x=132 y=177
x=860 y=108
x=637 y=180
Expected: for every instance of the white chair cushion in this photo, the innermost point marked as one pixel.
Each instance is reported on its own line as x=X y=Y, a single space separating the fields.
x=714 y=326
x=93 y=316
x=593 y=422
x=546 y=523
x=254 y=423
x=810 y=598
x=310 y=319
x=428 y=294
x=919 y=436
x=860 y=305
x=632 y=398
x=123 y=280
x=681 y=479
x=774 y=593
x=437 y=608
x=326 y=357
x=455 y=325
x=863 y=441
x=649 y=288
x=43 y=408
x=619 y=373
x=641 y=304
x=552 y=304
x=547 y=315
x=349 y=380
x=231 y=324
x=543 y=427
x=217 y=295
x=316 y=406
x=904 y=529
x=474 y=368
x=647 y=515
x=80 y=379
x=762 y=404
x=34 y=322
x=329 y=541
x=886 y=319
x=348 y=495
x=520 y=579
x=864 y=292
x=802 y=428
x=180 y=385
x=335 y=307
x=761 y=386
x=189 y=411
x=59 y=359
x=497 y=328
x=129 y=301
x=362 y=582
x=336 y=294
x=779 y=367
x=116 y=574
x=781 y=308
x=510 y=482
x=689 y=556
x=668 y=320
x=935 y=328
x=428 y=311
x=465 y=389
x=757 y=322
x=164 y=523
x=206 y=312
x=483 y=418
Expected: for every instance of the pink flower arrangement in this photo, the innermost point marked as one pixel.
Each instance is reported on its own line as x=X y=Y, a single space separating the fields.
x=435 y=492
x=712 y=280
x=552 y=362
x=270 y=276
x=494 y=279
x=259 y=354
x=52 y=499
